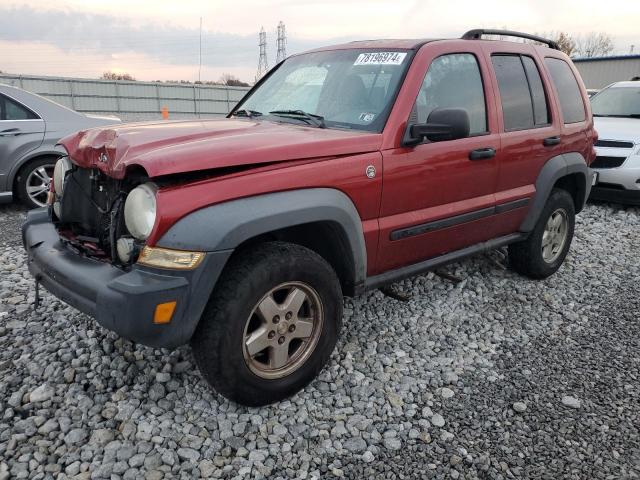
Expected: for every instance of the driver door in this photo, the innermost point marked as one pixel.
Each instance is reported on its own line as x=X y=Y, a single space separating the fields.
x=439 y=196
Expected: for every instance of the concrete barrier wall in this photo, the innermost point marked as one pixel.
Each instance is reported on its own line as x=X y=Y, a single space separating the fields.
x=132 y=100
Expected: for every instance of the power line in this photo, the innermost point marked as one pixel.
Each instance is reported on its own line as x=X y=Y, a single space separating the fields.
x=200 y=61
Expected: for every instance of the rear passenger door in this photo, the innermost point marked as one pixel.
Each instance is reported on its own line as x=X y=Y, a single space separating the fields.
x=530 y=135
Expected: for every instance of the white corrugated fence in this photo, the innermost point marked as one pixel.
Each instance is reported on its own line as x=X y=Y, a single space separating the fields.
x=131 y=100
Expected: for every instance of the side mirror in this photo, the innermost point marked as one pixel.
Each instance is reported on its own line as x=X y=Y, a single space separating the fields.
x=442 y=124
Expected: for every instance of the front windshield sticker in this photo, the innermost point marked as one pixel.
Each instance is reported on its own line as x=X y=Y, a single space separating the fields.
x=367 y=117
x=380 y=58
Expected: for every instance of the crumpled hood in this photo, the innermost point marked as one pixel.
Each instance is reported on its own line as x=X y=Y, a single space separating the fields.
x=612 y=128
x=165 y=148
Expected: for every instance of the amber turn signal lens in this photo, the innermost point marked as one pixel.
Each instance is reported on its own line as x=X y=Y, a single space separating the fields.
x=164 y=312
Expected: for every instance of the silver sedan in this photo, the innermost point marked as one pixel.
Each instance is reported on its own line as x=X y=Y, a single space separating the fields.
x=30 y=127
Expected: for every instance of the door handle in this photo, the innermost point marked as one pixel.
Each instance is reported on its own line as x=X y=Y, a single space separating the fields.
x=482 y=153
x=551 y=141
x=10 y=132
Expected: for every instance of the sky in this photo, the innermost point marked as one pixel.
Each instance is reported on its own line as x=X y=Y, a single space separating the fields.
x=160 y=40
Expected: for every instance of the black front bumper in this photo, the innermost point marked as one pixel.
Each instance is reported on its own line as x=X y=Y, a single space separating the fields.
x=122 y=301
x=616 y=195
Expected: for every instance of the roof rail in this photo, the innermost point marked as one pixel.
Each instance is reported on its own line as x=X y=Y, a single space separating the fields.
x=479 y=32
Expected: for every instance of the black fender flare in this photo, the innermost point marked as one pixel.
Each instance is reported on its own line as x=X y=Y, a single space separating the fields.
x=552 y=171
x=224 y=226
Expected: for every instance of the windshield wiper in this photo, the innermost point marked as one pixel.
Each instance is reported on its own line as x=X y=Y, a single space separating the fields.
x=311 y=118
x=243 y=112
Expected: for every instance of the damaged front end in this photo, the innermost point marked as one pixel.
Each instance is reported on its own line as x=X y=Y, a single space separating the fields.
x=88 y=209
x=89 y=248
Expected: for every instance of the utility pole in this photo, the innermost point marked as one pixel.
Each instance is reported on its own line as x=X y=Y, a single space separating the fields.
x=281 y=43
x=200 y=61
x=263 y=66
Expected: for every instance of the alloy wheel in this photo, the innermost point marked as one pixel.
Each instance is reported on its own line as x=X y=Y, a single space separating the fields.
x=37 y=184
x=282 y=330
x=554 y=236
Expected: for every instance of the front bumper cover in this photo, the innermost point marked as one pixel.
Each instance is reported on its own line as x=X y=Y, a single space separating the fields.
x=615 y=195
x=122 y=301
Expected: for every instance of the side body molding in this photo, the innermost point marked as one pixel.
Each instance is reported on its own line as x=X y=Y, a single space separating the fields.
x=226 y=225
x=556 y=168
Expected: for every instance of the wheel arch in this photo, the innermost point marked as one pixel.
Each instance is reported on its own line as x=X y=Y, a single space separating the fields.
x=568 y=171
x=324 y=220
x=32 y=156
x=575 y=185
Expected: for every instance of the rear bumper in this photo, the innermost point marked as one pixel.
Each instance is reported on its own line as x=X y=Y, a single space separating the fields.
x=122 y=301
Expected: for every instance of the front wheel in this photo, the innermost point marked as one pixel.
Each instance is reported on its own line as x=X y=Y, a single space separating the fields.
x=544 y=251
x=270 y=325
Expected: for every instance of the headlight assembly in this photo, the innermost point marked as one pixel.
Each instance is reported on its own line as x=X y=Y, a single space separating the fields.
x=63 y=165
x=140 y=210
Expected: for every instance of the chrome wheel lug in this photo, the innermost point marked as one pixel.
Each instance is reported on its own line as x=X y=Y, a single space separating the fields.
x=281 y=340
x=276 y=319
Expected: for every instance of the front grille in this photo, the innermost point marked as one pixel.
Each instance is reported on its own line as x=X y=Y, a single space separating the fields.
x=613 y=144
x=90 y=211
x=607 y=162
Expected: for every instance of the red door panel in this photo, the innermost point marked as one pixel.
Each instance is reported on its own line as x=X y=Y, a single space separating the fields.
x=432 y=182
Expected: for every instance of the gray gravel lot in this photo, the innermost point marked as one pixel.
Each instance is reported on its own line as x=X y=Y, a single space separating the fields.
x=495 y=377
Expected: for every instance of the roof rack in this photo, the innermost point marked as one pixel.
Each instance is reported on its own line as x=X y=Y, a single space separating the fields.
x=479 y=32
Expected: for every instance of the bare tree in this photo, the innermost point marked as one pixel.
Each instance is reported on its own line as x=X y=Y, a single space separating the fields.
x=565 y=41
x=594 y=44
x=116 y=76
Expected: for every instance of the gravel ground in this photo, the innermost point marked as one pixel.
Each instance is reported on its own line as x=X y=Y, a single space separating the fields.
x=494 y=377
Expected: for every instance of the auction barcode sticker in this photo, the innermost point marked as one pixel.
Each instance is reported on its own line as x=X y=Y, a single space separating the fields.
x=380 y=58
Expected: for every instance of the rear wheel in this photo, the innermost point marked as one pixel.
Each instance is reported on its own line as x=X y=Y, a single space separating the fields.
x=33 y=180
x=270 y=325
x=542 y=253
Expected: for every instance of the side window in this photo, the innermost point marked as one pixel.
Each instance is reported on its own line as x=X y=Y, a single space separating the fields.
x=10 y=110
x=517 y=109
x=566 y=85
x=538 y=98
x=453 y=81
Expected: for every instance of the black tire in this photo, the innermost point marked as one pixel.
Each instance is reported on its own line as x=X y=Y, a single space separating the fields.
x=218 y=343
x=526 y=257
x=23 y=177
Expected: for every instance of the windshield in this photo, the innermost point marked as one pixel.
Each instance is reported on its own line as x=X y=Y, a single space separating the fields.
x=348 y=88
x=617 y=102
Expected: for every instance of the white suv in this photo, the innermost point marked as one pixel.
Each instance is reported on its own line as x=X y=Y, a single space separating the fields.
x=616 y=111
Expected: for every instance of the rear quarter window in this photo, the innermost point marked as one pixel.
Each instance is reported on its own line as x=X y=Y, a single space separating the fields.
x=569 y=95
x=11 y=110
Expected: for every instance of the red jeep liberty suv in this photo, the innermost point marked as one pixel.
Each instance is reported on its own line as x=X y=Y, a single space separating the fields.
x=344 y=169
